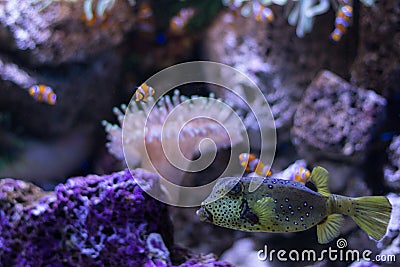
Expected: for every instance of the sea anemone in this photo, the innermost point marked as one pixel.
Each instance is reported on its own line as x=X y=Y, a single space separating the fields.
x=301 y=12
x=174 y=129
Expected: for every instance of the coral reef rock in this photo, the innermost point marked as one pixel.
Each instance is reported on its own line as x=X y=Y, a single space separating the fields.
x=88 y=221
x=390 y=244
x=84 y=91
x=243 y=254
x=279 y=62
x=206 y=261
x=59 y=32
x=377 y=65
x=336 y=120
x=363 y=263
x=392 y=170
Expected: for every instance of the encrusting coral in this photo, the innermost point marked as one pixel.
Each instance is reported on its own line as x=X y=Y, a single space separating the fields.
x=88 y=221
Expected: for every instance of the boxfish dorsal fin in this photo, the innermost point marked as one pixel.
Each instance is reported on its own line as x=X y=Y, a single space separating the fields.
x=263 y=209
x=329 y=229
x=319 y=177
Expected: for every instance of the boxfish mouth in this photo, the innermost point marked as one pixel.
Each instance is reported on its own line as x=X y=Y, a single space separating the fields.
x=204 y=214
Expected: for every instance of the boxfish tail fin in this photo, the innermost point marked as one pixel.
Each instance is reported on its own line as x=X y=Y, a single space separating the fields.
x=329 y=229
x=372 y=214
x=319 y=177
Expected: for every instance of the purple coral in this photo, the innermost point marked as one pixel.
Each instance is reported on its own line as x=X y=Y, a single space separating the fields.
x=88 y=221
x=392 y=170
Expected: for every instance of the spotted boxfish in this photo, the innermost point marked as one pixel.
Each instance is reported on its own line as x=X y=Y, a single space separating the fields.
x=288 y=206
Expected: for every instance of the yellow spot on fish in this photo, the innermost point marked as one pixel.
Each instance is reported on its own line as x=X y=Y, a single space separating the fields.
x=43 y=93
x=143 y=93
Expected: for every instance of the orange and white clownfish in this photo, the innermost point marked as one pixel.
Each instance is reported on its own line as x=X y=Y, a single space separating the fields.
x=253 y=164
x=301 y=175
x=143 y=92
x=262 y=13
x=43 y=93
x=179 y=22
x=145 y=21
x=342 y=22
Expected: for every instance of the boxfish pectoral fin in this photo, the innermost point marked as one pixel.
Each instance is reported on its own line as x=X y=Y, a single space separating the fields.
x=319 y=177
x=329 y=229
x=247 y=214
x=264 y=209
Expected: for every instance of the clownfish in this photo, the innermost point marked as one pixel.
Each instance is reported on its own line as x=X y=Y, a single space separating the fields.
x=143 y=92
x=262 y=13
x=342 y=22
x=145 y=18
x=253 y=164
x=43 y=93
x=286 y=206
x=145 y=11
x=301 y=175
x=180 y=21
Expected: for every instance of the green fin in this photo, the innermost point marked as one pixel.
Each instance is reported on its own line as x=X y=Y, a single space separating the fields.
x=263 y=209
x=319 y=177
x=329 y=229
x=372 y=214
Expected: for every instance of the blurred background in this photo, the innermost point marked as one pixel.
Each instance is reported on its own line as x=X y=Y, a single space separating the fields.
x=330 y=71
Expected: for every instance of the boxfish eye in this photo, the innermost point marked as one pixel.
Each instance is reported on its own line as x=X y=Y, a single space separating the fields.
x=236 y=189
